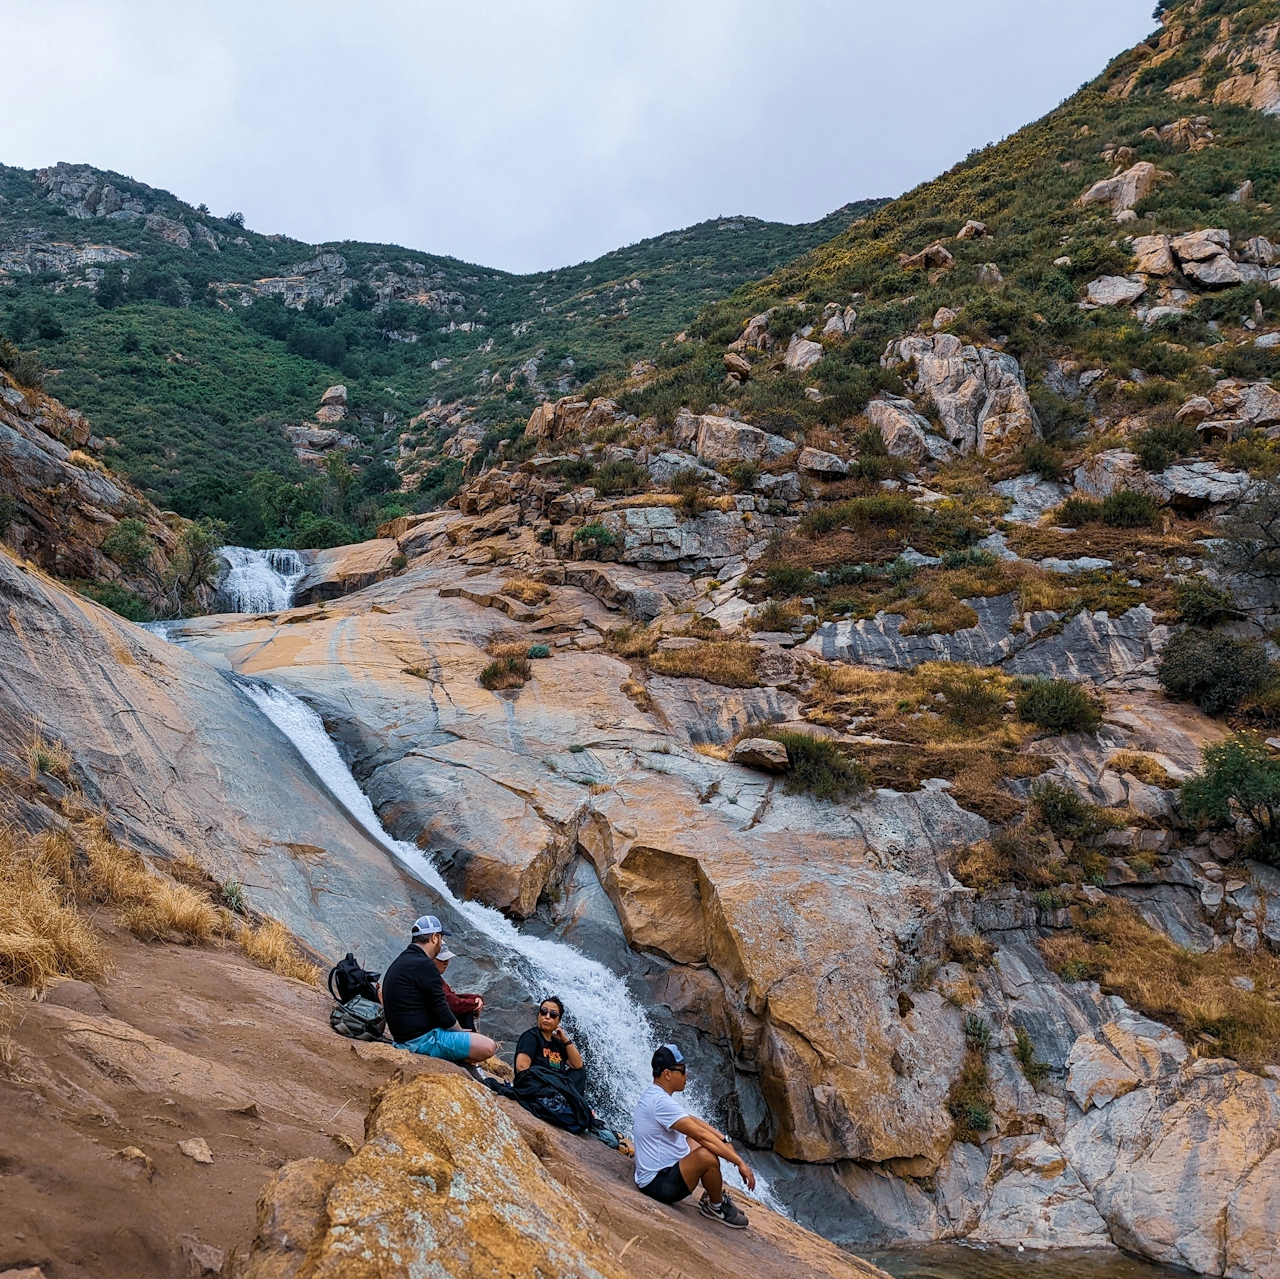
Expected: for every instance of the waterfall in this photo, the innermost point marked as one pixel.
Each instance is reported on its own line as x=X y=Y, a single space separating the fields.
x=617 y=1029
x=260 y=581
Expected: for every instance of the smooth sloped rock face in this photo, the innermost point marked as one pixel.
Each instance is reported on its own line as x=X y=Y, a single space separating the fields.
x=1163 y=1165
x=445 y=1174
x=820 y=462
x=184 y=765
x=980 y=394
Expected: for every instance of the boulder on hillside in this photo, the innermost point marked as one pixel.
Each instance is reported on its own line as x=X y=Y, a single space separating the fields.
x=736 y=366
x=1260 y=405
x=335 y=395
x=755 y=334
x=972 y=230
x=761 y=753
x=721 y=439
x=1206 y=258
x=1125 y=190
x=820 y=462
x=1260 y=251
x=1153 y=255
x=906 y=434
x=937 y=257
x=553 y=421
x=980 y=393
x=1192 y=486
x=170 y=231
x=1032 y=497
x=802 y=354
x=1113 y=290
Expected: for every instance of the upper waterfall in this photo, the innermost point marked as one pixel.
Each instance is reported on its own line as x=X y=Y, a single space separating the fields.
x=260 y=581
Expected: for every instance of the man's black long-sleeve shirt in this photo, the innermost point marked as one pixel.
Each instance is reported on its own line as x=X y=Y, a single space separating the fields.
x=413 y=996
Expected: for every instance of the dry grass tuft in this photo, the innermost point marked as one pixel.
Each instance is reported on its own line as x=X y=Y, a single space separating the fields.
x=273 y=946
x=509 y=669
x=42 y=934
x=1143 y=767
x=634 y=641
x=526 y=590
x=729 y=664
x=44 y=756
x=48 y=883
x=1192 y=993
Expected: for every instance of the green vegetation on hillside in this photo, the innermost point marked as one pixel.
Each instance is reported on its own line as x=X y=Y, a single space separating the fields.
x=191 y=386
x=1025 y=190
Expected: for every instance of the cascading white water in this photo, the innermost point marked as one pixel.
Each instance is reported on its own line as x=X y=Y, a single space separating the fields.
x=260 y=581
x=618 y=1030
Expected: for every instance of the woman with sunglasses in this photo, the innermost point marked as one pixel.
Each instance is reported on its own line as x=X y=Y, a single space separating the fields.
x=548 y=1045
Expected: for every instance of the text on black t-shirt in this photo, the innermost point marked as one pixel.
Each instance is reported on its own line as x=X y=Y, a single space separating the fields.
x=550 y=1052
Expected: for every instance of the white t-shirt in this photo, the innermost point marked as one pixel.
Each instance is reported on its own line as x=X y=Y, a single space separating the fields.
x=657 y=1146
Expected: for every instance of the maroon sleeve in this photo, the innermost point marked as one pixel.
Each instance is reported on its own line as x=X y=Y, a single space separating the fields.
x=459 y=1003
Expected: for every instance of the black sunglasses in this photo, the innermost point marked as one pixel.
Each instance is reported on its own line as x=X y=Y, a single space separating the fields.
x=553 y=1013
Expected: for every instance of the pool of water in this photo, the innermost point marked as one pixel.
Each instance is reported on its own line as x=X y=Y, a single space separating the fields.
x=952 y=1261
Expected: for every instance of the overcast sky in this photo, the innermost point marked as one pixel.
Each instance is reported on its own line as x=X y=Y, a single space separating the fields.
x=527 y=134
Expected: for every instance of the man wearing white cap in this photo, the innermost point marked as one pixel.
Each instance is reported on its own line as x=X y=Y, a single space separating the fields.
x=466 y=1008
x=413 y=998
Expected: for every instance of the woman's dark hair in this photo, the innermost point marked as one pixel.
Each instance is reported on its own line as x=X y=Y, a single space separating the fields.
x=552 y=999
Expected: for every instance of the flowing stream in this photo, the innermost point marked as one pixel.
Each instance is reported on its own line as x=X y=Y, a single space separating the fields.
x=260 y=581
x=617 y=1029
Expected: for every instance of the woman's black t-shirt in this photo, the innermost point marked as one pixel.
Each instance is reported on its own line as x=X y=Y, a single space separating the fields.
x=550 y=1052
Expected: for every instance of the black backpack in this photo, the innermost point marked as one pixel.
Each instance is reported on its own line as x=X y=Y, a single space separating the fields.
x=358 y=1014
x=347 y=980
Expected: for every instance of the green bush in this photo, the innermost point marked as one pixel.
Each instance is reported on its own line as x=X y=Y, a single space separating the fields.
x=1066 y=814
x=1216 y=672
x=743 y=476
x=621 y=477
x=1036 y=1072
x=539 y=650
x=1158 y=447
x=118 y=599
x=1240 y=775
x=595 y=537
x=1058 y=706
x=1076 y=512
x=1128 y=509
x=1041 y=458
x=574 y=470
x=786 y=580
x=128 y=544
x=972 y=702
x=818 y=767
x=686 y=484
x=8 y=512
x=1200 y=603
x=977 y=1032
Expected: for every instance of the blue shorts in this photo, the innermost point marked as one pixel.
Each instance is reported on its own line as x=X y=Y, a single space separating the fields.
x=452 y=1045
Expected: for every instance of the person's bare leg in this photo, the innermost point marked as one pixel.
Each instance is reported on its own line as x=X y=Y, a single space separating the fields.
x=700 y=1165
x=482 y=1048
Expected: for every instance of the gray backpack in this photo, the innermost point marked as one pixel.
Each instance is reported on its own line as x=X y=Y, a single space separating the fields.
x=359 y=1018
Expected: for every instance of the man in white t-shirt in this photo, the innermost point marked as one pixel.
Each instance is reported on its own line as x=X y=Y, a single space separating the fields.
x=675 y=1151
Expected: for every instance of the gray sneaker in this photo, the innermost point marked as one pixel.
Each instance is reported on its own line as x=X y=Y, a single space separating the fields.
x=727 y=1214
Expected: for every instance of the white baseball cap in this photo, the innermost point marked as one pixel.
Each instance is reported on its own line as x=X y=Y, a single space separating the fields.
x=427 y=926
x=444 y=952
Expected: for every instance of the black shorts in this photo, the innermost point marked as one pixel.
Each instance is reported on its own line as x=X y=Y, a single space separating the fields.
x=668 y=1186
